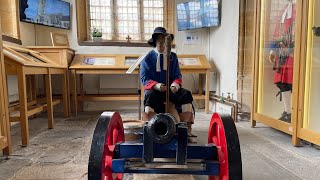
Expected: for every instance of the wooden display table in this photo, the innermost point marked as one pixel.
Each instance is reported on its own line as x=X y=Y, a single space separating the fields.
x=119 y=64
x=62 y=55
x=24 y=62
x=5 y=140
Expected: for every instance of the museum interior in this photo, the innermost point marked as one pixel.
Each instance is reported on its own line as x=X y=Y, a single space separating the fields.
x=159 y=89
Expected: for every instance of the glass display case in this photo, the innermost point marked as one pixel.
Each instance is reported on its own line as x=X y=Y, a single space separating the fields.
x=309 y=122
x=287 y=67
x=274 y=71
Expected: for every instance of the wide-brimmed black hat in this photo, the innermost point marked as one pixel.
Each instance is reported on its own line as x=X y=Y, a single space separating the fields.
x=156 y=32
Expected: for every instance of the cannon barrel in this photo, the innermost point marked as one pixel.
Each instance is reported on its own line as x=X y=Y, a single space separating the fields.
x=162 y=128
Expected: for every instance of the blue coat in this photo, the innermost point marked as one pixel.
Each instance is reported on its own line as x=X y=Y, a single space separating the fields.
x=149 y=75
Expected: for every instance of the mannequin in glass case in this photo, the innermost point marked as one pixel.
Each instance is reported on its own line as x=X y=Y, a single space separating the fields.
x=282 y=56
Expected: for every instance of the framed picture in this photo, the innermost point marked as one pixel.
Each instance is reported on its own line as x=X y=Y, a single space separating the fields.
x=59 y=39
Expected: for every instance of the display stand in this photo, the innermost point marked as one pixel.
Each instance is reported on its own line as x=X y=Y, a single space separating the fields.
x=119 y=64
x=62 y=55
x=197 y=64
x=5 y=140
x=22 y=63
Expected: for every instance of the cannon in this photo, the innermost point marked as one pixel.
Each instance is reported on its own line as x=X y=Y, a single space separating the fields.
x=163 y=137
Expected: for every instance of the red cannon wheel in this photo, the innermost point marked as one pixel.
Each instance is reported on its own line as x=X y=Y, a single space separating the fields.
x=108 y=132
x=223 y=133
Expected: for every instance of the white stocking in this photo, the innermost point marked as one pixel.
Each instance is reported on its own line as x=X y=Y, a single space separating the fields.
x=148 y=109
x=286 y=98
x=187 y=108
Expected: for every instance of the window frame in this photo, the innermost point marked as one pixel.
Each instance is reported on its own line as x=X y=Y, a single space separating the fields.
x=83 y=25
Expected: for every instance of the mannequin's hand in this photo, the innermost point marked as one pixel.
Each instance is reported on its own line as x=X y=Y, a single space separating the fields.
x=163 y=88
x=160 y=87
x=173 y=89
x=272 y=58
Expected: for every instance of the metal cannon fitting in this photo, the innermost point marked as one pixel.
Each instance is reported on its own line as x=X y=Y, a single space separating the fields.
x=162 y=128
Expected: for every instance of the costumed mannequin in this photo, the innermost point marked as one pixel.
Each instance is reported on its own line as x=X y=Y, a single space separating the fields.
x=153 y=78
x=282 y=56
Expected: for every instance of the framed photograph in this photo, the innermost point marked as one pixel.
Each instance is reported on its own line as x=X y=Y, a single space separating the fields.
x=59 y=39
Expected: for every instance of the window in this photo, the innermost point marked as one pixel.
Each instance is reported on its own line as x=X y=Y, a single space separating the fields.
x=123 y=20
x=126 y=19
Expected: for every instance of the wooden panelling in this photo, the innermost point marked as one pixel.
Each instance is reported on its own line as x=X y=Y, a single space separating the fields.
x=246 y=53
x=9 y=16
x=255 y=73
x=170 y=20
x=280 y=125
x=5 y=140
x=82 y=24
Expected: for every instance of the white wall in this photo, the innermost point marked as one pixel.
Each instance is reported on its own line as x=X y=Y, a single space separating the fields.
x=223 y=48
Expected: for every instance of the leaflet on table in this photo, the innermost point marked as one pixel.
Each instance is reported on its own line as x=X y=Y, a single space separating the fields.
x=130 y=61
x=104 y=61
x=189 y=61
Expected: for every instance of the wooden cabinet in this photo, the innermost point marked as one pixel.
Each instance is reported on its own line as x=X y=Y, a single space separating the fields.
x=5 y=143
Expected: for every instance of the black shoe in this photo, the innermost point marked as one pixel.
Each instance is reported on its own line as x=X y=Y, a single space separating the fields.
x=286 y=117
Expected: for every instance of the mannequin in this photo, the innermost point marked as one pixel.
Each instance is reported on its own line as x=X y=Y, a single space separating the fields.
x=282 y=56
x=153 y=77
